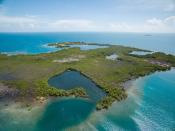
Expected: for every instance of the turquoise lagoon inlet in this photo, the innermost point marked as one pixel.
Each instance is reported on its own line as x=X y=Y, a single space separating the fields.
x=87 y=65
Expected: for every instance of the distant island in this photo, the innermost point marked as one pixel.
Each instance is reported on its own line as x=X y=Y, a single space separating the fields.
x=25 y=77
x=147 y=35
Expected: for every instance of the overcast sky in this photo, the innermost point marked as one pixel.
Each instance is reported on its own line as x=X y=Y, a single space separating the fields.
x=87 y=15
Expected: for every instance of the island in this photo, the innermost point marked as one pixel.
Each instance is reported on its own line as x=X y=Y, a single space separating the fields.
x=26 y=78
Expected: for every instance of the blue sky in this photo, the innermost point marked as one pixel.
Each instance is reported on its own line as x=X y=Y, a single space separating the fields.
x=87 y=15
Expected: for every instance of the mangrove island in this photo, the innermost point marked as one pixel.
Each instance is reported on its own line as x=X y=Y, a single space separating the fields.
x=97 y=75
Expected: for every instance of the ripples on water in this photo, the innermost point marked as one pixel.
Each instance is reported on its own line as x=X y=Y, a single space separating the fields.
x=149 y=106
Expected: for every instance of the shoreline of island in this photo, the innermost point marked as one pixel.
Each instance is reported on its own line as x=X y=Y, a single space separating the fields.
x=155 y=62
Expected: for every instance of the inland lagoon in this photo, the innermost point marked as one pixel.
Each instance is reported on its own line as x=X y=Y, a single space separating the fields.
x=140 y=111
x=44 y=96
x=71 y=79
x=141 y=52
x=87 y=65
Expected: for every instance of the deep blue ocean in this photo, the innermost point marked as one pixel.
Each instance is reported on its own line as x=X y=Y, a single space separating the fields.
x=36 y=42
x=150 y=105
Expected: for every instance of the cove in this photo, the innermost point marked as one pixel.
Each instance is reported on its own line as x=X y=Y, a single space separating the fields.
x=71 y=79
x=64 y=113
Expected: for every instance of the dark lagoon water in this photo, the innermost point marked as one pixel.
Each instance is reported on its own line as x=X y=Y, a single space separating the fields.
x=149 y=106
x=72 y=79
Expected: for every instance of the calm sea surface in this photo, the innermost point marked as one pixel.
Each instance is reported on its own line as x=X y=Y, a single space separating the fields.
x=36 y=42
x=150 y=104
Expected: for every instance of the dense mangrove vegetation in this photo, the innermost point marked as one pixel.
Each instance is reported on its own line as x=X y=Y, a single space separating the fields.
x=29 y=74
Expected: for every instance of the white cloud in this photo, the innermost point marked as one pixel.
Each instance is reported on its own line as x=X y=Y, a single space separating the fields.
x=161 y=25
x=150 y=25
x=170 y=21
x=154 y=22
x=34 y=24
x=119 y=26
x=72 y=25
x=11 y=23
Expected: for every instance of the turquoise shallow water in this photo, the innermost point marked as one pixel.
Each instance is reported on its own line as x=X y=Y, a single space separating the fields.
x=35 y=42
x=149 y=106
x=64 y=113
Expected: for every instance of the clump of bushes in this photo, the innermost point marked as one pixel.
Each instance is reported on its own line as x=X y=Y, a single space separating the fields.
x=43 y=89
x=113 y=95
x=105 y=103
